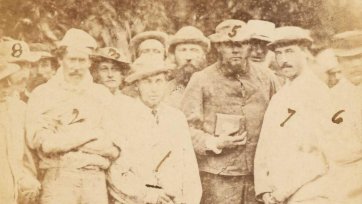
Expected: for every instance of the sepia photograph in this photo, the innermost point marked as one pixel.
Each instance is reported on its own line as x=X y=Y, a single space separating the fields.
x=181 y=102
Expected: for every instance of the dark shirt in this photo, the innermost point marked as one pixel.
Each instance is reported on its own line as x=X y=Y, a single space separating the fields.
x=210 y=92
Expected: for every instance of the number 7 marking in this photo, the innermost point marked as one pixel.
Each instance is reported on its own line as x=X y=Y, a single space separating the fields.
x=291 y=112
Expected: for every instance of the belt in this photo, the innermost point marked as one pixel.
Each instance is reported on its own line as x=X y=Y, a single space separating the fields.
x=91 y=168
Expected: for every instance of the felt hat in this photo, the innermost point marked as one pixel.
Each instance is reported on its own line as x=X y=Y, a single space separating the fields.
x=189 y=34
x=261 y=30
x=146 y=66
x=230 y=30
x=348 y=43
x=290 y=35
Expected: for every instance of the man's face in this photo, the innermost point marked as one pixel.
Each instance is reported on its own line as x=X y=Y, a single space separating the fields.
x=352 y=68
x=234 y=56
x=189 y=58
x=44 y=67
x=75 y=64
x=334 y=76
x=329 y=76
x=20 y=79
x=110 y=75
x=151 y=47
x=258 y=50
x=5 y=88
x=291 y=60
x=152 y=89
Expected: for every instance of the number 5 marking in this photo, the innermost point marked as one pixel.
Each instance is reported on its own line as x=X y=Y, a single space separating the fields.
x=233 y=31
x=291 y=112
x=336 y=119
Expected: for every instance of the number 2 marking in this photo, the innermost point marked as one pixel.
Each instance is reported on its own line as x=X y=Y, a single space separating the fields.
x=291 y=112
x=233 y=31
x=336 y=119
x=76 y=114
x=114 y=53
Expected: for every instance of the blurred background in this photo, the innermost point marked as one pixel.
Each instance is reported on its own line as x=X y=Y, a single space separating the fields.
x=114 y=22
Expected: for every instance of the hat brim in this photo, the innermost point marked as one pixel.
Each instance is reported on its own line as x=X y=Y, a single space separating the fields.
x=284 y=42
x=218 y=38
x=9 y=70
x=261 y=37
x=348 y=52
x=141 y=75
x=204 y=42
x=157 y=35
x=25 y=58
x=98 y=57
x=45 y=55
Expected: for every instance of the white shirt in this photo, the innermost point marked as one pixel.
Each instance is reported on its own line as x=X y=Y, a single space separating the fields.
x=157 y=151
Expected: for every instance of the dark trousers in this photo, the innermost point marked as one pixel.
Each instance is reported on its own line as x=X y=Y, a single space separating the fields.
x=219 y=189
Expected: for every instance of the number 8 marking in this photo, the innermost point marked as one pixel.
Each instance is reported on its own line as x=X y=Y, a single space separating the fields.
x=17 y=50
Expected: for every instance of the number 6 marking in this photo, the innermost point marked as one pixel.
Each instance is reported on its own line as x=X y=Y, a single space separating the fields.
x=336 y=119
x=292 y=112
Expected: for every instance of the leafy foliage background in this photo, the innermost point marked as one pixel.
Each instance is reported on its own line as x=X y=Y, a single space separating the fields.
x=114 y=22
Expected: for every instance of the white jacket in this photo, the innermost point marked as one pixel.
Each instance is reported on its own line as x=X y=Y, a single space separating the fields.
x=13 y=122
x=144 y=145
x=317 y=154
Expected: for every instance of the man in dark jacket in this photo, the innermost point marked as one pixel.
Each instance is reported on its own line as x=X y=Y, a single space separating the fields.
x=224 y=105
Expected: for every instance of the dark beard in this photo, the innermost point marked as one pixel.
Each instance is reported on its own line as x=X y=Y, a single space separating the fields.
x=184 y=73
x=235 y=70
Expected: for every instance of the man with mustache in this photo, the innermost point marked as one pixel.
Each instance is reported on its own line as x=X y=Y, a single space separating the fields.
x=187 y=48
x=64 y=127
x=278 y=158
x=309 y=150
x=224 y=104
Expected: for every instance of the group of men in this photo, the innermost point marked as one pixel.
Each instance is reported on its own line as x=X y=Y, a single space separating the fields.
x=83 y=124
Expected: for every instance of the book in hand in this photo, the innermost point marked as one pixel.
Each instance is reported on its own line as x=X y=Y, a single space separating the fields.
x=227 y=124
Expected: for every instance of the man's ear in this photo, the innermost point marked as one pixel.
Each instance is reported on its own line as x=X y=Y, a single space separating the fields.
x=307 y=53
x=217 y=47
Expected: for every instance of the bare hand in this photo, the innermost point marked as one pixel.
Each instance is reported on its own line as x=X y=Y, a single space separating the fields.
x=49 y=123
x=269 y=199
x=165 y=198
x=226 y=141
x=29 y=189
